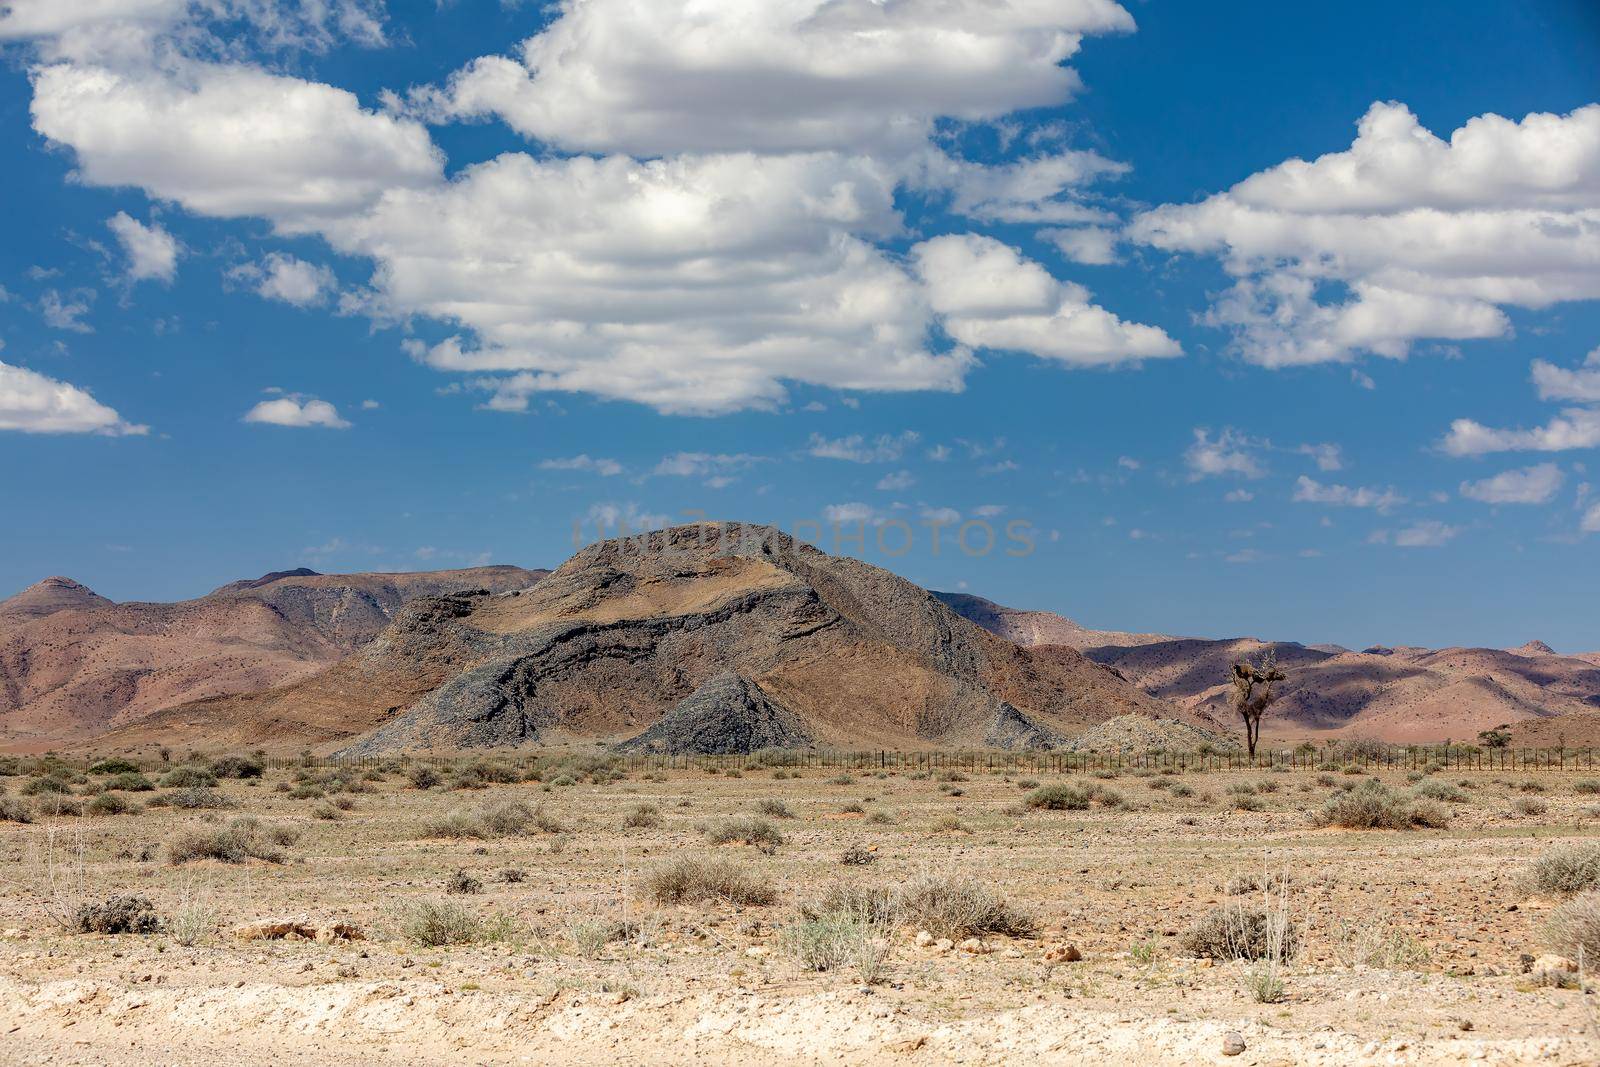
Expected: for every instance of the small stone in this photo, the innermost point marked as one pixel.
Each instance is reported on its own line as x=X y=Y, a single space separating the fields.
x=924 y=939
x=756 y=951
x=1552 y=962
x=944 y=944
x=973 y=947
x=1232 y=1043
x=1063 y=952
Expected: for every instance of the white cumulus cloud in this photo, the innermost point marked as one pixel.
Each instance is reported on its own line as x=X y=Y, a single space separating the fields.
x=1429 y=238
x=783 y=75
x=152 y=252
x=288 y=279
x=1528 y=485
x=1310 y=491
x=989 y=296
x=33 y=403
x=1229 y=453
x=606 y=468
x=297 y=411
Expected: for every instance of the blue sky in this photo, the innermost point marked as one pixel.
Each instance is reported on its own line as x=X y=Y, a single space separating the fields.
x=905 y=274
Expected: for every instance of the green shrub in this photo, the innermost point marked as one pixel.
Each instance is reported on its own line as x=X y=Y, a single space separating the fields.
x=115 y=765
x=188 y=778
x=1060 y=797
x=131 y=782
x=197 y=799
x=110 y=804
x=238 y=767
x=1434 y=789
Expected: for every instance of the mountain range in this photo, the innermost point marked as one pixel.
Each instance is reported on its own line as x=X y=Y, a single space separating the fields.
x=712 y=637
x=1408 y=694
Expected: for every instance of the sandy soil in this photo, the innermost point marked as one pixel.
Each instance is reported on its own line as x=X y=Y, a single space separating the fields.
x=713 y=983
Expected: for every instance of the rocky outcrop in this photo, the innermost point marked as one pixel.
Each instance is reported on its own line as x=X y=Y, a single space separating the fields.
x=729 y=713
x=1011 y=729
x=632 y=634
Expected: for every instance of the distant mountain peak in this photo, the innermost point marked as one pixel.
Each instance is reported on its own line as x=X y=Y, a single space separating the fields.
x=1534 y=648
x=267 y=579
x=53 y=594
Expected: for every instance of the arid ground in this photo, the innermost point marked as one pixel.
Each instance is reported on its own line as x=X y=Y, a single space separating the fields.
x=482 y=921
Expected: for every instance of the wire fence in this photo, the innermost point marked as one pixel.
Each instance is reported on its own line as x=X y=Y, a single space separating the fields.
x=1414 y=757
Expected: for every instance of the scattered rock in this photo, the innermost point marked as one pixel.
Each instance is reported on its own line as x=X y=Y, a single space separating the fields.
x=924 y=939
x=974 y=947
x=323 y=931
x=1232 y=1043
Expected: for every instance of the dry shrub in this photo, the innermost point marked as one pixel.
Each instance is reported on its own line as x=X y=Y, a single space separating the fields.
x=691 y=880
x=744 y=830
x=131 y=782
x=499 y=820
x=188 y=778
x=954 y=907
x=832 y=940
x=242 y=839
x=14 y=810
x=1573 y=929
x=1529 y=806
x=958 y=907
x=1380 y=945
x=422 y=776
x=1568 y=869
x=642 y=817
x=237 y=767
x=197 y=799
x=435 y=923
x=462 y=882
x=1373 y=806
x=1239 y=885
x=1239 y=931
x=777 y=809
x=111 y=804
x=117 y=915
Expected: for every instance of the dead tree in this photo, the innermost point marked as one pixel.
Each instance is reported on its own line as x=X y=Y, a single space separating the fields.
x=1253 y=693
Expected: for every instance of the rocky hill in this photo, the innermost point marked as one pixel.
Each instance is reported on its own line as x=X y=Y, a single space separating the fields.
x=1400 y=694
x=711 y=637
x=73 y=663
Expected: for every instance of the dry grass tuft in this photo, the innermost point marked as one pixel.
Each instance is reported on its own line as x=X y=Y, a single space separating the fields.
x=692 y=880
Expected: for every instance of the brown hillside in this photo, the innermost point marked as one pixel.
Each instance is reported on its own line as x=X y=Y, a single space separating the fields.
x=73 y=663
x=1402 y=694
x=626 y=632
